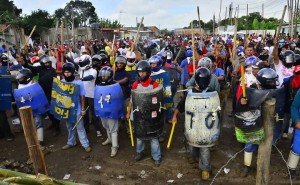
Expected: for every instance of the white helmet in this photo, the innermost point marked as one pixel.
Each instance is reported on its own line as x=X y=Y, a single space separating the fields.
x=205 y=62
x=130 y=55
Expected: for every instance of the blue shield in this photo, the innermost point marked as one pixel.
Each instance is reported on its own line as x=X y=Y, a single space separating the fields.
x=164 y=79
x=64 y=100
x=33 y=96
x=3 y=70
x=5 y=92
x=109 y=101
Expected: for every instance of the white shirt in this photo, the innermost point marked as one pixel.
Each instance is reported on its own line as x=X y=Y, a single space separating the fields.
x=89 y=86
x=21 y=86
x=282 y=72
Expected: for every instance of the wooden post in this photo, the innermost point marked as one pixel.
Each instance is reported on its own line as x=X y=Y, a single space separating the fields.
x=35 y=153
x=264 y=150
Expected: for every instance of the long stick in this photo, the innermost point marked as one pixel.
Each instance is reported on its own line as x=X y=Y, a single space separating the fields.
x=243 y=80
x=80 y=119
x=27 y=40
x=171 y=135
x=281 y=21
x=130 y=130
x=198 y=12
x=177 y=56
x=112 y=52
x=193 y=47
x=137 y=34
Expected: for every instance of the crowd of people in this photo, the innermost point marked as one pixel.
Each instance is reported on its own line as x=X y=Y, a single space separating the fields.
x=230 y=67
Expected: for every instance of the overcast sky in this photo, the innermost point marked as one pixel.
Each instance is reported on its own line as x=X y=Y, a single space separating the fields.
x=161 y=13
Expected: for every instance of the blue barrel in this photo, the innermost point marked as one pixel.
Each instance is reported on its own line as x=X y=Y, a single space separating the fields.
x=296 y=143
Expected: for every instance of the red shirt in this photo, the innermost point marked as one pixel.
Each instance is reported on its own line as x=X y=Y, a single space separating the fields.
x=145 y=84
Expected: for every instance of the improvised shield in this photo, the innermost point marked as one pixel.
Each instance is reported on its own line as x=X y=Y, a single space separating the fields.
x=109 y=101
x=5 y=92
x=164 y=79
x=64 y=100
x=33 y=96
x=3 y=70
x=202 y=127
x=248 y=126
x=148 y=113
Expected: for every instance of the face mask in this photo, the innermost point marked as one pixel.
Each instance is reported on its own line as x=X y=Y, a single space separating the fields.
x=70 y=78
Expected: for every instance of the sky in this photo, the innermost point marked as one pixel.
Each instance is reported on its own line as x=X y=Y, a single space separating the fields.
x=168 y=14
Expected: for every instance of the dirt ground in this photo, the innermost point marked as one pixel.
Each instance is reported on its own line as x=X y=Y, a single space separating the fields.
x=98 y=168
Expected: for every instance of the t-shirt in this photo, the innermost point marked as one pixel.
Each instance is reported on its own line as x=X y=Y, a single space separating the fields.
x=89 y=86
x=282 y=72
x=82 y=92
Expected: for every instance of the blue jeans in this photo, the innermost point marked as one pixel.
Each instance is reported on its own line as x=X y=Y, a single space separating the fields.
x=81 y=134
x=250 y=147
x=38 y=121
x=278 y=127
x=155 y=148
x=202 y=154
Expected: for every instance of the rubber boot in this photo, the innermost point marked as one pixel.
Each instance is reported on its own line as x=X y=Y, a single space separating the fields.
x=293 y=163
x=115 y=145
x=40 y=137
x=247 y=164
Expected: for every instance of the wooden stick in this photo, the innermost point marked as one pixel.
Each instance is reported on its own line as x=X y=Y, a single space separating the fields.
x=112 y=52
x=171 y=135
x=35 y=152
x=198 y=11
x=281 y=21
x=27 y=40
x=137 y=34
x=243 y=80
x=193 y=47
x=264 y=150
x=130 y=130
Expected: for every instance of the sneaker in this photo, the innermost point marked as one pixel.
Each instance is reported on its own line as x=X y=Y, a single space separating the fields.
x=157 y=162
x=98 y=133
x=88 y=149
x=66 y=147
x=205 y=175
x=138 y=156
x=114 y=152
x=106 y=142
x=246 y=171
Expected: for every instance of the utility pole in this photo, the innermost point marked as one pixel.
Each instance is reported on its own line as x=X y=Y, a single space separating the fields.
x=247 y=31
x=262 y=10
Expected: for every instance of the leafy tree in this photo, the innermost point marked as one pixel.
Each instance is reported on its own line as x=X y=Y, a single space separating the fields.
x=255 y=24
x=263 y=25
x=106 y=23
x=82 y=12
x=8 y=11
x=41 y=19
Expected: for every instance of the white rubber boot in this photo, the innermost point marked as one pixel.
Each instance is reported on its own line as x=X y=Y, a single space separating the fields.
x=115 y=145
x=40 y=134
x=293 y=160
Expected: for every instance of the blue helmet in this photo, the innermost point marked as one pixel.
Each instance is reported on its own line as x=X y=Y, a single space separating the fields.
x=240 y=51
x=189 y=53
x=251 y=61
x=155 y=59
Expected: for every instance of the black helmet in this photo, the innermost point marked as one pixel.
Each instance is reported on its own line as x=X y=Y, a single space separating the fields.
x=288 y=58
x=106 y=71
x=24 y=76
x=144 y=66
x=202 y=77
x=267 y=78
x=68 y=67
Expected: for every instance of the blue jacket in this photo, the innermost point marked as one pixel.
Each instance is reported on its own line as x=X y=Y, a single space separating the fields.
x=295 y=109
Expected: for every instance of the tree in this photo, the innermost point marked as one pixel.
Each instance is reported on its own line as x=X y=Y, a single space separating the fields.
x=8 y=11
x=263 y=25
x=41 y=19
x=255 y=24
x=81 y=12
x=106 y=23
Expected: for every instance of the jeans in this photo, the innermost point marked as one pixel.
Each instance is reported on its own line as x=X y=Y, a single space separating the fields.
x=155 y=148
x=38 y=121
x=277 y=131
x=93 y=118
x=286 y=123
x=81 y=134
x=250 y=147
x=202 y=155
x=4 y=125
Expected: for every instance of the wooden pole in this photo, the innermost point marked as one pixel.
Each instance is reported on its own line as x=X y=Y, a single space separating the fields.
x=137 y=34
x=35 y=152
x=247 y=25
x=198 y=12
x=264 y=150
x=193 y=48
x=27 y=40
x=281 y=21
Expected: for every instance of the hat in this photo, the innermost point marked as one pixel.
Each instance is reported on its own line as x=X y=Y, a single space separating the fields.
x=297 y=68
